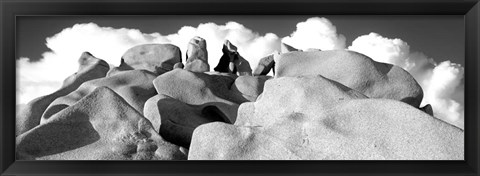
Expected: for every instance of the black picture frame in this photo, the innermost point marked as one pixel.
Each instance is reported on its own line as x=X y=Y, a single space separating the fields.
x=10 y=9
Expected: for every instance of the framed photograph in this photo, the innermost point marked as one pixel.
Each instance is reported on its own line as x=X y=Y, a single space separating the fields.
x=239 y=87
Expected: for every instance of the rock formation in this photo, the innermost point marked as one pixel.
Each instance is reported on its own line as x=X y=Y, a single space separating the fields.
x=132 y=80
x=354 y=70
x=322 y=105
x=101 y=126
x=265 y=65
x=311 y=117
x=197 y=55
x=90 y=68
x=232 y=62
x=156 y=58
x=194 y=91
x=135 y=86
x=250 y=87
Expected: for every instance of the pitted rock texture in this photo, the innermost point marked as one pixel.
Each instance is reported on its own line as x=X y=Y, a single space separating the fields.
x=89 y=68
x=265 y=65
x=188 y=99
x=156 y=58
x=303 y=118
x=101 y=126
x=354 y=70
x=197 y=55
x=135 y=86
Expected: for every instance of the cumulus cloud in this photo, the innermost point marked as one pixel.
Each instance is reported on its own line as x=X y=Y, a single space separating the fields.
x=317 y=33
x=46 y=75
x=441 y=82
x=394 y=51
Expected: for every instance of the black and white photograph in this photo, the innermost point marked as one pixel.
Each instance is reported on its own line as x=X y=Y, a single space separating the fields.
x=240 y=87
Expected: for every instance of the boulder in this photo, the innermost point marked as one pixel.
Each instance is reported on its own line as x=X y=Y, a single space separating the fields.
x=197 y=55
x=197 y=49
x=135 y=86
x=354 y=70
x=198 y=88
x=232 y=62
x=176 y=120
x=197 y=66
x=242 y=66
x=227 y=58
x=89 y=68
x=250 y=87
x=265 y=65
x=151 y=112
x=156 y=58
x=312 y=117
x=101 y=126
x=203 y=97
x=114 y=70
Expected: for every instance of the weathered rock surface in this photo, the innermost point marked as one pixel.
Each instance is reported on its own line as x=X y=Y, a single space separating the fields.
x=354 y=70
x=315 y=118
x=188 y=99
x=156 y=58
x=197 y=55
x=326 y=105
x=232 y=62
x=265 y=65
x=152 y=113
x=176 y=120
x=101 y=126
x=183 y=88
x=198 y=88
x=242 y=66
x=135 y=86
x=250 y=87
x=197 y=66
x=228 y=56
x=89 y=68
x=197 y=49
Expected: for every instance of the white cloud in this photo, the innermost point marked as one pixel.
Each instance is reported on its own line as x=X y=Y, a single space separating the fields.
x=441 y=89
x=394 y=51
x=46 y=75
x=441 y=83
x=32 y=84
x=317 y=33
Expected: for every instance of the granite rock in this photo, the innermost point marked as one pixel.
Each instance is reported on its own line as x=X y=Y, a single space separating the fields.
x=314 y=118
x=156 y=58
x=100 y=126
x=354 y=70
x=89 y=68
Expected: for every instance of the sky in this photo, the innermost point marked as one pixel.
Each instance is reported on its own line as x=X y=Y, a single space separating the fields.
x=431 y=48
